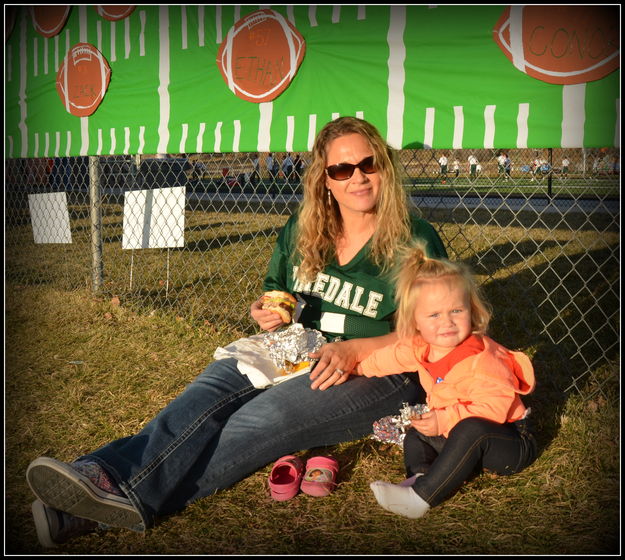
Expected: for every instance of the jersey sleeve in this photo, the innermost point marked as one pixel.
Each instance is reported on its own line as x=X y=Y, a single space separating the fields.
x=276 y=277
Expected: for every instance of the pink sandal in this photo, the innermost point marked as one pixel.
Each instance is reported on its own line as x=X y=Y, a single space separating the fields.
x=320 y=477
x=285 y=477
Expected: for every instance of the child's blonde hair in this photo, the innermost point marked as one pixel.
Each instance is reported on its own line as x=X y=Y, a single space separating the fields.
x=415 y=268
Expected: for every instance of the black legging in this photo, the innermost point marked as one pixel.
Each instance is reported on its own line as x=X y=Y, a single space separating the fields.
x=473 y=444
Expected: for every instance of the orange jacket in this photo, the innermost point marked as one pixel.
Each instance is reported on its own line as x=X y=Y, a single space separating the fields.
x=486 y=385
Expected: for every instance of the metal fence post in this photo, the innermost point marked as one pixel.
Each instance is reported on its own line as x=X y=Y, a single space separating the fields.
x=97 y=269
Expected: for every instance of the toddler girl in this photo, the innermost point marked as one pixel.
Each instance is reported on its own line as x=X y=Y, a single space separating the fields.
x=476 y=418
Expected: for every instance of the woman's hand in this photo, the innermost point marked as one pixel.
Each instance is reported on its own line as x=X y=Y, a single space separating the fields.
x=267 y=320
x=336 y=361
x=426 y=423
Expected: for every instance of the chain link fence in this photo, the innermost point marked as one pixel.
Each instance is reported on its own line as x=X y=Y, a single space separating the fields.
x=193 y=233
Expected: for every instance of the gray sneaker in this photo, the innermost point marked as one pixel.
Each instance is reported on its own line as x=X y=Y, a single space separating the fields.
x=55 y=527
x=62 y=487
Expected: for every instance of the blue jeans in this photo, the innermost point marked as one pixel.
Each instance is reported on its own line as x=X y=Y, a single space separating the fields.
x=473 y=444
x=221 y=428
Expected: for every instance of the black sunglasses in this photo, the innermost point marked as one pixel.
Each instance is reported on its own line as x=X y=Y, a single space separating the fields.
x=343 y=171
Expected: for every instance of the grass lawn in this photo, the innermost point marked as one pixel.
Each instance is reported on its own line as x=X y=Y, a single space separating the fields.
x=83 y=370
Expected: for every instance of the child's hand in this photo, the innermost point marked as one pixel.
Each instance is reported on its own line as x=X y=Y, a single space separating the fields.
x=426 y=423
x=267 y=320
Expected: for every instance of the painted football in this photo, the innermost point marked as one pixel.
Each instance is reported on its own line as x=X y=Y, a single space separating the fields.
x=82 y=79
x=561 y=44
x=114 y=13
x=49 y=20
x=260 y=56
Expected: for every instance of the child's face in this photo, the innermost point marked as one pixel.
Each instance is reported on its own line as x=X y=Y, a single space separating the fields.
x=443 y=316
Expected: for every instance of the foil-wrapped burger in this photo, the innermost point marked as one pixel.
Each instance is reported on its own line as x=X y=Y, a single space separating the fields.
x=289 y=348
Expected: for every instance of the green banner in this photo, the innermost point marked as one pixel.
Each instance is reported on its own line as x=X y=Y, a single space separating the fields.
x=426 y=76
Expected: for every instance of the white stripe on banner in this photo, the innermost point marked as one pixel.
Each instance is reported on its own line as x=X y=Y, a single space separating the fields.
x=22 y=95
x=217 y=145
x=99 y=148
x=163 y=87
x=183 y=139
x=264 y=126
x=362 y=12
x=127 y=38
x=142 y=17
x=36 y=150
x=82 y=24
x=141 y=139
x=10 y=146
x=183 y=27
x=113 y=53
x=396 y=77
x=516 y=37
x=57 y=143
x=199 y=143
x=84 y=136
x=489 y=126
x=458 y=127
x=428 y=132
x=98 y=31
x=46 y=149
x=573 y=115
x=336 y=14
x=68 y=143
x=45 y=55
x=126 y=140
x=290 y=132
x=312 y=131
x=237 y=136
x=200 y=26
x=218 y=24
x=312 y=16
x=521 y=125
x=113 y=142
x=290 y=14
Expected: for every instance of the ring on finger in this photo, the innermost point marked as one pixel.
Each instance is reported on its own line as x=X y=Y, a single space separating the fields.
x=339 y=371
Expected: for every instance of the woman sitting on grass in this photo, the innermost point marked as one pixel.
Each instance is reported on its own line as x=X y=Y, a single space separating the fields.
x=476 y=418
x=335 y=254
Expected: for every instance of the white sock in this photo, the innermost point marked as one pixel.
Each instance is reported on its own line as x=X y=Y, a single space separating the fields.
x=402 y=500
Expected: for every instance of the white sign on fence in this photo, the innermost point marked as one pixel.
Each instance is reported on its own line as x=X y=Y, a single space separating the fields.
x=154 y=218
x=49 y=217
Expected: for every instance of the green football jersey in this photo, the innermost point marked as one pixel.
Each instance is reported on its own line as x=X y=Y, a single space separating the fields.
x=354 y=300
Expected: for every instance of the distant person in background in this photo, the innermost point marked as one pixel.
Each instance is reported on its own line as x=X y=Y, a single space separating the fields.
x=298 y=168
x=287 y=167
x=473 y=163
x=442 y=161
x=565 y=168
x=456 y=168
x=272 y=166
x=501 y=162
x=507 y=165
x=256 y=169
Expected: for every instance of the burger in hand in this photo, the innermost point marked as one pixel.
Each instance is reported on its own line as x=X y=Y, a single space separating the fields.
x=279 y=302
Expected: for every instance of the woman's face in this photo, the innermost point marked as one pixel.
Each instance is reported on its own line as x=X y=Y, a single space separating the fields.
x=358 y=194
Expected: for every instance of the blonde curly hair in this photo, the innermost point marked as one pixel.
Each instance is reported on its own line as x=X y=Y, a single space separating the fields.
x=320 y=224
x=415 y=269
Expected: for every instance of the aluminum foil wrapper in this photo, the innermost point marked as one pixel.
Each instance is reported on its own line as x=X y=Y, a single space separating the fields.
x=289 y=347
x=392 y=429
